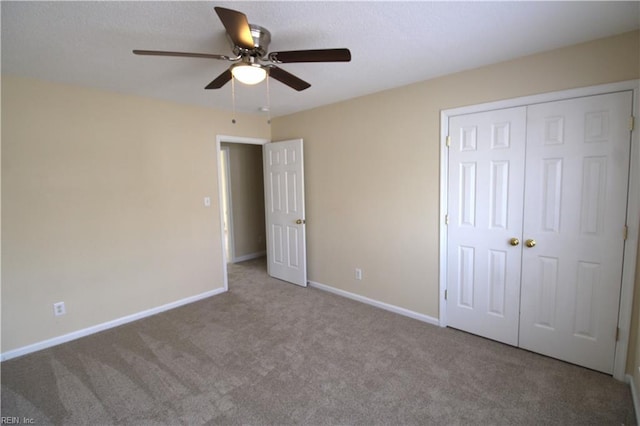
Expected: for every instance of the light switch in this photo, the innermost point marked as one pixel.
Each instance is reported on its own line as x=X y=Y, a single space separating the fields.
x=207 y=201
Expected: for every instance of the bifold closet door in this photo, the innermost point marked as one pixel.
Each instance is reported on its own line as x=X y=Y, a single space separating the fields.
x=537 y=213
x=486 y=176
x=577 y=170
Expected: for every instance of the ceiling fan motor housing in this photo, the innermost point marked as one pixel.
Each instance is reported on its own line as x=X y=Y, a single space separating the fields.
x=261 y=39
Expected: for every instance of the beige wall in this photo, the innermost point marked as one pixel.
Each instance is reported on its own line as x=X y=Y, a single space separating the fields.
x=247 y=194
x=372 y=166
x=103 y=209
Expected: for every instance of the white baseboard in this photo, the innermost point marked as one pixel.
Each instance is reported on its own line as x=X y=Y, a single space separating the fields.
x=249 y=256
x=635 y=396
x=376 y=303
x=105 y=325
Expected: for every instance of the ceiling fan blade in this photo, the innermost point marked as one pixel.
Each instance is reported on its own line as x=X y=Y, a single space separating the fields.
x=318 y=55
x=287 y=78
x=182 y=54
x=237 y=27
x=220 y=80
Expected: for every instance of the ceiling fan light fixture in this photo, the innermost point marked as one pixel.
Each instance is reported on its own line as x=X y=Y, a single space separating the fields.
x=249 y=73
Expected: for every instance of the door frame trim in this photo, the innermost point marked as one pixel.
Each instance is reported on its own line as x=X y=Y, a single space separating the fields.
x=633 y=201
x=226 y=172
x=219 y=140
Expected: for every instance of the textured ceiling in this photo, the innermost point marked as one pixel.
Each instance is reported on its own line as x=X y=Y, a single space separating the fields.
x=392 y=43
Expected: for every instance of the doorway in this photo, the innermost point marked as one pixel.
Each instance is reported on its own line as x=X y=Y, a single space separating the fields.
x=283 y=163
x=244 y=206
x=241 y=191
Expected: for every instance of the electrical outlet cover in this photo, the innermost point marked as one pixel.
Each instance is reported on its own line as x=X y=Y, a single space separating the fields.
x=59 y=309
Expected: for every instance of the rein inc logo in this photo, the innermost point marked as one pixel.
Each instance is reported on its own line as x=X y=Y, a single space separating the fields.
x=6 y=420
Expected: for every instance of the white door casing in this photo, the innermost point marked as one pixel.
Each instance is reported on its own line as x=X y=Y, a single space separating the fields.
x=577 y=163
x=486 y=172
x=285 y=212
x=226 y=203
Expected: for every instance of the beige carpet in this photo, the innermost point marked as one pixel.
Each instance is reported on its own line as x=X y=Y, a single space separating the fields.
x=271 y=353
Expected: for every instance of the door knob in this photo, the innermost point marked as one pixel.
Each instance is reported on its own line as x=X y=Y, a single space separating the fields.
x=530 y=243
x=514 y=241
x=300 y=221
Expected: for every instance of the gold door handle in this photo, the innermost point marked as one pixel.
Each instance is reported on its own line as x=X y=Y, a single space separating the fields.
x=514 y=241
x=300 y=221
x=530 y=243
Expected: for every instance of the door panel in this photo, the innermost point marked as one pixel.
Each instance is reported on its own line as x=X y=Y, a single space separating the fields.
x=285 y=216
x=486 y=171
x=577 y=164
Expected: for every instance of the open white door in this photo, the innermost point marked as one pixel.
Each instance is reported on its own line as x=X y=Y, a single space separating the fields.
x=284 y=205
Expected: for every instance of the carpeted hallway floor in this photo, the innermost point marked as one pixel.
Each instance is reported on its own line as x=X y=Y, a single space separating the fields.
x=271 y=353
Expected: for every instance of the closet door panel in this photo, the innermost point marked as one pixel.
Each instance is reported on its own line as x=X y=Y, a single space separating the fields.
x=486 y=172
x=577 y=164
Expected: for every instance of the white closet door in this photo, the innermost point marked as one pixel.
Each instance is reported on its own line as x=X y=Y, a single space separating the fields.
x=486 y=175
x=577 y=168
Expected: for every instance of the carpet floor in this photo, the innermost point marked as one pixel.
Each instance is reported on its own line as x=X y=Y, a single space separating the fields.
x=271 y=353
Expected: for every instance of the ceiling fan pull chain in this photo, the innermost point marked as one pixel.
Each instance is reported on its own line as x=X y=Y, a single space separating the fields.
x=268 y=103
x=233 y=99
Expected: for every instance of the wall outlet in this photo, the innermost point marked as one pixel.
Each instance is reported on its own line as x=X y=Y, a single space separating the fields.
x=59 y=309
x=358 y=274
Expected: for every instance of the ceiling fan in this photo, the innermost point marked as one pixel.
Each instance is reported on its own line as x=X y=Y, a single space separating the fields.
x=252 y=62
